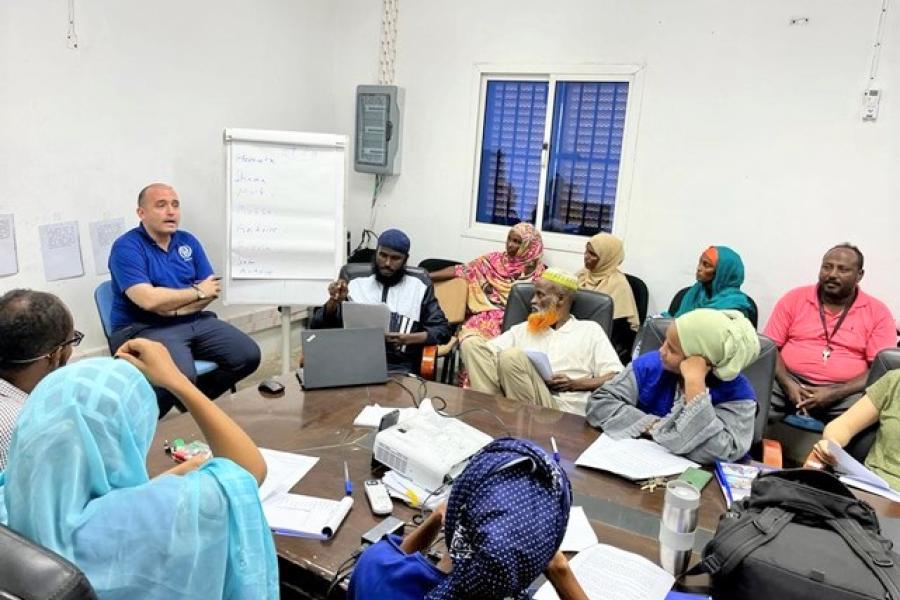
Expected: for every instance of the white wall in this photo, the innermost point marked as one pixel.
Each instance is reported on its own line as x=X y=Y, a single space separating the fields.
x=145 y=98
x=749 y=131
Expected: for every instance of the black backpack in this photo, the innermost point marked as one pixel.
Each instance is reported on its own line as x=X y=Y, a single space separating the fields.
x=800 y=534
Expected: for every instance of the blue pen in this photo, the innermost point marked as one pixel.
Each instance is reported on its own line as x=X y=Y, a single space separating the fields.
x=348 y=487
x=723 y=481
x=555 y=449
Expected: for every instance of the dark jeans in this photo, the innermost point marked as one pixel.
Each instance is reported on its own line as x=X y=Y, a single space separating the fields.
x=781 y=405
x=206 y=338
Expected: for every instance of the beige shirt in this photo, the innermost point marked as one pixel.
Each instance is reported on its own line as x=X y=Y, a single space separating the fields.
x=577 y=349
x=12 y=400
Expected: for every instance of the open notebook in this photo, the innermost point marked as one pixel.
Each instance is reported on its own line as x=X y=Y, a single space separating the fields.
x=609 y=573
x=632 y=459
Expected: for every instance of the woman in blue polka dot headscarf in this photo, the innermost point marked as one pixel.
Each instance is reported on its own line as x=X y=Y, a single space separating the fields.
x=504 y=522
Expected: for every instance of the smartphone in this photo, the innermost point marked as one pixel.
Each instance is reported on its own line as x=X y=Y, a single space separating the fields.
x=698 y=478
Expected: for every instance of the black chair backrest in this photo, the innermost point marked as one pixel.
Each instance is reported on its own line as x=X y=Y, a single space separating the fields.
x=36 y=573
x=761 y=373
x=436 y=264
x=679 y=296
x=354 y=270
x=641 y=295
x=587 y=306
x=886 y=360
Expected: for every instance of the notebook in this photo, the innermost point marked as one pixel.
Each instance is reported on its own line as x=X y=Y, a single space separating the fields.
x=632 y=459
x=342 y=357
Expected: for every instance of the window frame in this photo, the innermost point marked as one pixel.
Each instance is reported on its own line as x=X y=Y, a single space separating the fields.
x=484 y=72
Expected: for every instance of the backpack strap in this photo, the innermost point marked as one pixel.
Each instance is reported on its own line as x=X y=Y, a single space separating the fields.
x=874 y=556
x=749 y=535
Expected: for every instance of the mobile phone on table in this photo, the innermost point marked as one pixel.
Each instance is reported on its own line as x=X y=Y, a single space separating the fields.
x=698 y=478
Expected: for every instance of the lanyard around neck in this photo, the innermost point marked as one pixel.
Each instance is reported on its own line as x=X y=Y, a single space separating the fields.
x=840 y=321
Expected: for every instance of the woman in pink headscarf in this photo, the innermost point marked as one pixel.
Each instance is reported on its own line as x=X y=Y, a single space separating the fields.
x=491 y=276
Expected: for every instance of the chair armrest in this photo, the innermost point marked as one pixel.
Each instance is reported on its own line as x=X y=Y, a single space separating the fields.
x=771 y=453
x=429 y=360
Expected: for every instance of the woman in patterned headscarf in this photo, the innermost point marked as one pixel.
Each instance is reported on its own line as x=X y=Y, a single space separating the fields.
x=490 y=277
x=496 y=546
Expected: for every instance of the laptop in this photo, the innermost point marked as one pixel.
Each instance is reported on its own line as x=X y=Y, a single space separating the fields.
x=359 y=315
x=342 y=357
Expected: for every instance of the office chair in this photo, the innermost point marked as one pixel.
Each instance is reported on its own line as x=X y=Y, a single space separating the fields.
x=586 y=306
x=885 y=361
x=103 y=298
x=31 y=572
x=641 y=295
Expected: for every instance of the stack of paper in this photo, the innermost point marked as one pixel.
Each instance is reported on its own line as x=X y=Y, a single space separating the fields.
x=405 y=489
x=284 y=470
x=579 y=533
x=306 y=516
x=612 y=574
x=541 y=363
x=854 y=473
x=293 y=514
x=632 y=459
x=370 y=416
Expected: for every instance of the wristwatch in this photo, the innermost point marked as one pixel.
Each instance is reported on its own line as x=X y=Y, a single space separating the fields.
x=200 y=294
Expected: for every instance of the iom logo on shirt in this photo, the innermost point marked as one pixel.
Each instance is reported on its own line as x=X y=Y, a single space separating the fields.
x=185 y=252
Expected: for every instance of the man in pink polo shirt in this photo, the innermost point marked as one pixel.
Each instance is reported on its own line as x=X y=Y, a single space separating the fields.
x=827 y=336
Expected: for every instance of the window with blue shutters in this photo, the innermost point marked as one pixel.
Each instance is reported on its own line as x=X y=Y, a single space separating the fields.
x=551 y=152
x=511 y=143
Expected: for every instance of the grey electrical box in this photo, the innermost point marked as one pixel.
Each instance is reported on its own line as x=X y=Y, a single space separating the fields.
x=378 y=118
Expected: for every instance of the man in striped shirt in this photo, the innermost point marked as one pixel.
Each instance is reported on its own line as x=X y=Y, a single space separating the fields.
x=36 y=337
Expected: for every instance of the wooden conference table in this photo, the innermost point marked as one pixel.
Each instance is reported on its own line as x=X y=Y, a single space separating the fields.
x=320 y=423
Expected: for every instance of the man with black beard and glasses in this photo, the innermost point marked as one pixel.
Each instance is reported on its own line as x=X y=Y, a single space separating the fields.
x=581 y=356
x=416 y=317
x=827 y=336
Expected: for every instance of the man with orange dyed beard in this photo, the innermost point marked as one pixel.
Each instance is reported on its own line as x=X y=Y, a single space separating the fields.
x=581 y=356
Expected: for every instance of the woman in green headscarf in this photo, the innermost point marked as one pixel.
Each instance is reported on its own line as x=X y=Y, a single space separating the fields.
x=689 y=396
x=720 y=274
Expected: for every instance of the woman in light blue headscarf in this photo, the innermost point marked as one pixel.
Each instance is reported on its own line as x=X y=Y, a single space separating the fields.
x=76 y=482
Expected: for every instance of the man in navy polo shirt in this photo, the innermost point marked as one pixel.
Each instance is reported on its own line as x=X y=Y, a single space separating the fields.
x=162 y=282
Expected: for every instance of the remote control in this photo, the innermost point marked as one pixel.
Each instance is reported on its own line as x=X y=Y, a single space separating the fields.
x=377 y=495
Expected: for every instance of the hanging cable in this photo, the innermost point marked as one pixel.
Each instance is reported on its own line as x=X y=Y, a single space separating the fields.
x=390 y=11
x=71 y=35
x=386 y=61
x=879 y=39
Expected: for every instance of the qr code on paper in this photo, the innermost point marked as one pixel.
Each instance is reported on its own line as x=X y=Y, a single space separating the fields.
x=64 y=235
x=108 y=232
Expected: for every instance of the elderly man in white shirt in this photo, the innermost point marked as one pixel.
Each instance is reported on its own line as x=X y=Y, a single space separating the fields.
x=580 y=354
x=36 y=337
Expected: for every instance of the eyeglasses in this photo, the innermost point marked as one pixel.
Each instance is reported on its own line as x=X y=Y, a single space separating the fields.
x=77 y=336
